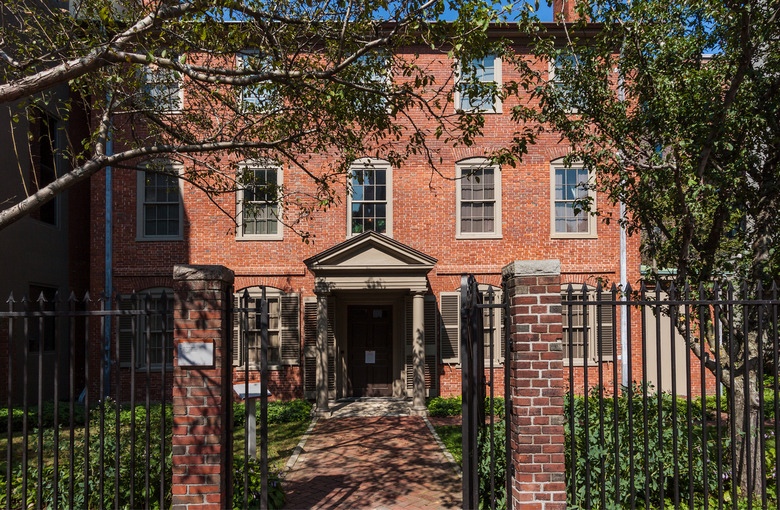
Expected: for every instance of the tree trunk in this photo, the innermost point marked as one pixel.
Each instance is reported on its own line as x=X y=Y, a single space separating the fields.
x=747 y=451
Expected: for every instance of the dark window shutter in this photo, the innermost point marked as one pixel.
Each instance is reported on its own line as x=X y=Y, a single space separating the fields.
x=237 y=330
x=450 y=327
x=291 y=338
x=606 y=320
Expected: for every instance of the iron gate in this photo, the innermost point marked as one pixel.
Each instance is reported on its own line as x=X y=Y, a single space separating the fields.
x=252 y=316
x=479 y=429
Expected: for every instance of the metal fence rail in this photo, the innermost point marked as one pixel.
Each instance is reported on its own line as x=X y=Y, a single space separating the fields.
x=68 y=392
x=684 y=415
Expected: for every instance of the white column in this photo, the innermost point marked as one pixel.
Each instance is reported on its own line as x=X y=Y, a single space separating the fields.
x=418 y=352
x=322 y=355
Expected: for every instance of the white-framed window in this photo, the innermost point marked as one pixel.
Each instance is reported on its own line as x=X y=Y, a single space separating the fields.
x=561 y=67
x=162 y=89
x=284 y=340
x=486 y=71
x=449 y=303
x=146 y=331
x=258 y=210
x=257 y=96
x=478 y=199
x=370 y=200
x=372 y=71
x=160 y=211
x=571 y=189
x=588 y=322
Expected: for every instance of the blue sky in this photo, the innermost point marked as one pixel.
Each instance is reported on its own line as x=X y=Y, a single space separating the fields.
x=544 y=12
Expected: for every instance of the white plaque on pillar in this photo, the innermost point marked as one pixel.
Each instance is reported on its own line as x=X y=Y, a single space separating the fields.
x=196 y=354
x=370 y=357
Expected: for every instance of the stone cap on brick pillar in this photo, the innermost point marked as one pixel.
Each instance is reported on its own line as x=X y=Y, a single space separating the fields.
x=203 y=272
x=549 y=267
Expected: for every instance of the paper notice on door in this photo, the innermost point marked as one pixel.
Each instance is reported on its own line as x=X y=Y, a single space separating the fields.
x=370 y=357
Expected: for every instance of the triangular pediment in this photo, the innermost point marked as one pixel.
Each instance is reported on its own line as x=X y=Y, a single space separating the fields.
x=370 y=251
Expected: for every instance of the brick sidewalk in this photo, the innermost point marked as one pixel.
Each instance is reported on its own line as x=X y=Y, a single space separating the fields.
x=376 y=463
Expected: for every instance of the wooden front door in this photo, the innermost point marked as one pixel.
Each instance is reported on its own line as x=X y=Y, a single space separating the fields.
x=370 y=363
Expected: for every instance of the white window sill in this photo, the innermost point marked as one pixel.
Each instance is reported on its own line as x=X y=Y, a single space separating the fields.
x=574 y=236
x=481 y=235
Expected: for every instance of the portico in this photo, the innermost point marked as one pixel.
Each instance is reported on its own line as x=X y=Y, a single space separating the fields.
x=371 y=320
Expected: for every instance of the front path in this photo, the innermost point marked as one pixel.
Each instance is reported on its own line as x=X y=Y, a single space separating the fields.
x=374 y=463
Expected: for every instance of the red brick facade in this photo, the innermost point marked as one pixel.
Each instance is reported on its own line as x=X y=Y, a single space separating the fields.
x=423 y=217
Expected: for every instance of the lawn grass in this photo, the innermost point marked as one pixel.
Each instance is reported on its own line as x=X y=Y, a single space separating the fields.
x=282 y=440
x=452 y=437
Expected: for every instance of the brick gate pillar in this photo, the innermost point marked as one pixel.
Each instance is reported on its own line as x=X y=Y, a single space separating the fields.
x=202 y=385
x=536 y=385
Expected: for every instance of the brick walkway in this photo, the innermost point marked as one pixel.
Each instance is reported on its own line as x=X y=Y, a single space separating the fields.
x=375 y=463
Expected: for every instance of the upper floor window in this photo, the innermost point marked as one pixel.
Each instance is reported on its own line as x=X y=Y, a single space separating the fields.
x=478 y=213
x=562 y=71
x=479 y=85
x=146 y=328
x=284 y=341
x=257 y=96
x=370 y=202
x=257 y=201
x=162 y=89
x=160 y=210
x=571 y=192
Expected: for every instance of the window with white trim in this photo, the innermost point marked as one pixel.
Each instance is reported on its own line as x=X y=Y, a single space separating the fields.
x=561 y=70
x=257 y=96
x=478 y=199
x=257 y=201
x=479 y=84
x=283 y=327
x=162 y=88
x=46 y=149
x=370 y=201
x=149 y=325
x=571 y=192
x=159 y=207
x=588 y=326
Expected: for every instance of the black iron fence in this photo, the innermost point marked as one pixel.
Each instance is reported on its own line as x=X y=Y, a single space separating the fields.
x=673 y=397
x=486 y=460
x=88 y=420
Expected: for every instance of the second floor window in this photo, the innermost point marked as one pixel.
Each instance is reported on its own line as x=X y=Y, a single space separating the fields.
x=159 y=204
x=570 y=193
x=478 y=212
x=258 y=203
x=479 y=84
x=370 y=203
x=162 y=89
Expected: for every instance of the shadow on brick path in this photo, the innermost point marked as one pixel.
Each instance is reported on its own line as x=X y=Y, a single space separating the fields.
x=375 y=463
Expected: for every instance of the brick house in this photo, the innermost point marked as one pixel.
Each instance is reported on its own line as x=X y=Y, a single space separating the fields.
x=382 y=263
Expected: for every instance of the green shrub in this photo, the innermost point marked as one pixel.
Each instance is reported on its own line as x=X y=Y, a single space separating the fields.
x=444 y=406
x=87 y=493
x=452 y=406
x=498 y=463
x=276 y=495
x=278 y=411
x=47 y=415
